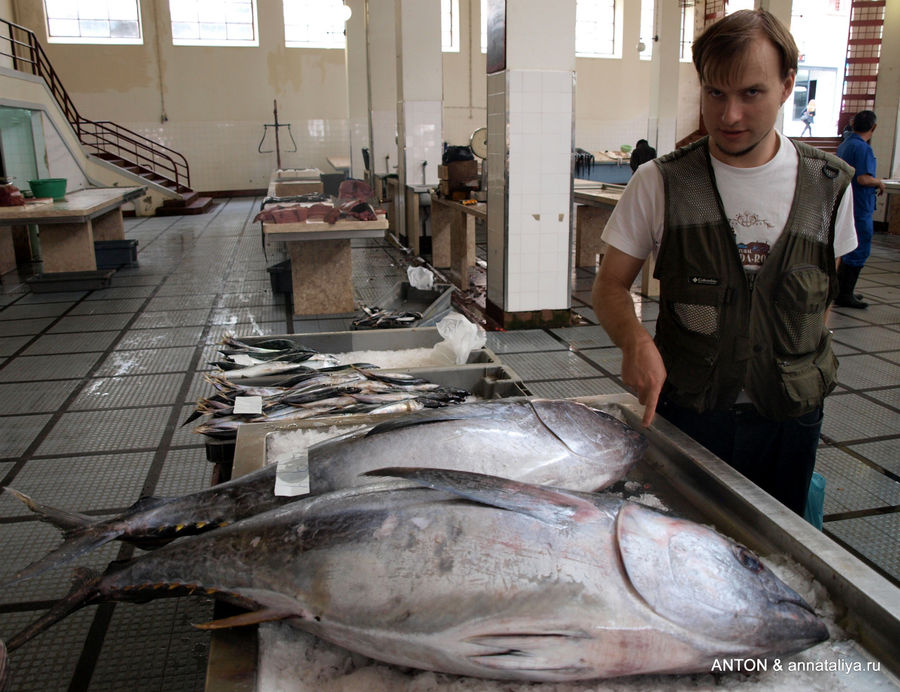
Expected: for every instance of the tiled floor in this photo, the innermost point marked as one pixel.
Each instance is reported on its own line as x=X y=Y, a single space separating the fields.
x=94 y=386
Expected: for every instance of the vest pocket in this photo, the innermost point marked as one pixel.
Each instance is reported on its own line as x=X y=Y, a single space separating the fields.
x=807 y=380
x=800 y=303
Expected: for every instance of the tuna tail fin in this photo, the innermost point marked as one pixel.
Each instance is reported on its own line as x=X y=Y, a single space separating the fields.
x=549 y=505
x=60 y=518
x=84 y=589
x=72 y=548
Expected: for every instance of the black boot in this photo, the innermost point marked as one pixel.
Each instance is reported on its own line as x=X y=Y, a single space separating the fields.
x=847 y=277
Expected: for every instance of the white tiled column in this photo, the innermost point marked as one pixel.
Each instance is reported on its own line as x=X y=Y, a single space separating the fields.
x=530 y=137
x=382 y=70
x=661 y=125
x=357 y=86
x=420 y=96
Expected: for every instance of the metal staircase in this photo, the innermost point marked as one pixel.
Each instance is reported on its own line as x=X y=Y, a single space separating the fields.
x=117 y=145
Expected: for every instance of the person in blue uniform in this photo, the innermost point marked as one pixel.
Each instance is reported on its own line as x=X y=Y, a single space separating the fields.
x=856 y=150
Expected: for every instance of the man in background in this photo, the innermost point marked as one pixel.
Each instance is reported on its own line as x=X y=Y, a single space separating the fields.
x=857 y=151
x=642 y=153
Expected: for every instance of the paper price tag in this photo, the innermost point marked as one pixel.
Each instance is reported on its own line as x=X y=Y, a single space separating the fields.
x=248 y=404
x=292 y=476
x=243 y=359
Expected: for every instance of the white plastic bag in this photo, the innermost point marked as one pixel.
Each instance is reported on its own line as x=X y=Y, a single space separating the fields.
x=420 y=278
x=461 y=337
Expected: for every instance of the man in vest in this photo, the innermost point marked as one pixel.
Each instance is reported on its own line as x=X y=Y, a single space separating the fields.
x=745 y=227
x=857 y=151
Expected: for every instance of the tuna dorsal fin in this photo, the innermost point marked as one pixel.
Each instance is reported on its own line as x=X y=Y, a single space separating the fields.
x=254 y=617
x=550 y=505
x=441 y=415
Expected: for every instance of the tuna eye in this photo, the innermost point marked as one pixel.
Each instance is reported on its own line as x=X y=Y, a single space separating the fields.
x=749 y=560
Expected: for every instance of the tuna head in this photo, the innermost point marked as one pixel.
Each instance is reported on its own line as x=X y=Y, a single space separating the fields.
x=713 y=587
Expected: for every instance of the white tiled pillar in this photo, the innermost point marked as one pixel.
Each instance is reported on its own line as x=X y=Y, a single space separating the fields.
x=382 y=90
x=530 y=84
x=661 y=125
x=357 y=86
x=420 y=96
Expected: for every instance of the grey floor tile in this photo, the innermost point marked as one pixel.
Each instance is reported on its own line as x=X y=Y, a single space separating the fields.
x=150 y=360
x=865 y=371
x=885 y=453
x=103 y=307
x=121 y=293
x=132 y=390
x=9 y=345
x=523 y=341
x=164 y=303
x=37 y=397
x=82 y=484
x=548 y=365
x=71 y=343
x=851 y=417
x=868 y=338
x=185 y=471
x=160 y=338
x=69 y=297
x=52 y=367
x=875 y=538
x=172 y=318
x=83 y=432
x=608 y=359
x=18 y=432
x=91 y=323
x=580 y=338
x=29 y=326
x=32 y=311
x=853 y=484
x=564 y=389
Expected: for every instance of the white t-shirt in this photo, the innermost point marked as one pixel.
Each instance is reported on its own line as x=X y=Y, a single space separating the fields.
x=757 y=203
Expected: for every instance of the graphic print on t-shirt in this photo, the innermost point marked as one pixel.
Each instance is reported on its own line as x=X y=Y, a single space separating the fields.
x=750 y=231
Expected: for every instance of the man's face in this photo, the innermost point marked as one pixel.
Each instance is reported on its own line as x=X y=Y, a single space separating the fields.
x=740 y=115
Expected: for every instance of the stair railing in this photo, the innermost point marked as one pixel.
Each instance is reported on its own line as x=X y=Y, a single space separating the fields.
x=100 y=137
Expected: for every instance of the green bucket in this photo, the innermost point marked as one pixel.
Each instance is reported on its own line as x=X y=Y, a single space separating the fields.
x=49 y=187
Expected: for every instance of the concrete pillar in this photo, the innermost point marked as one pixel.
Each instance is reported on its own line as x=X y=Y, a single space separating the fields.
x=530 y=94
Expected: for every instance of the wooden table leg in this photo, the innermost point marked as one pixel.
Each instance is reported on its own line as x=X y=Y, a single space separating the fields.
x=589 y=224
x=67 y=247
x=322 y=276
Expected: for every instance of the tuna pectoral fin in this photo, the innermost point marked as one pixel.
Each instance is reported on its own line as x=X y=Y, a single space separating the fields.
x=68 y=551
x=550 y=505
x=251 y=618
x=60 y=518
x=551 y=652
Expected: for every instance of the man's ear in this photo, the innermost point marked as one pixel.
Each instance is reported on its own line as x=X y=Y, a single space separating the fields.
x=788 y=86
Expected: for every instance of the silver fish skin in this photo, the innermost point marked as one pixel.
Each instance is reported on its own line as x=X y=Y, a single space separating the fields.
x=272 y=367
x=546 y=441
x=517 y=582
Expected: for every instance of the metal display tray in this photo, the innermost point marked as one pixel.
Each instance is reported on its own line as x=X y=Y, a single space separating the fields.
x=376 y=340
x=695 y=484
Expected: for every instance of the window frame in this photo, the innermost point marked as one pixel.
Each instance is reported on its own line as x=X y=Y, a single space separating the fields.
x=93 y=40
x=317 y=43
x=218 y=43
x=450 y=14
x=617 y=11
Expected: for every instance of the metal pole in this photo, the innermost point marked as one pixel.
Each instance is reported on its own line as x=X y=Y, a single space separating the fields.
x=277 y=145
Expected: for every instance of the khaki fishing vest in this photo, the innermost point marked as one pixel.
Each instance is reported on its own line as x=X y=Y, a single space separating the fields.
x=716 y=334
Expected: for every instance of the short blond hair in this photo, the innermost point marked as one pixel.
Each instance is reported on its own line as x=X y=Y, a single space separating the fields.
x=720 y=51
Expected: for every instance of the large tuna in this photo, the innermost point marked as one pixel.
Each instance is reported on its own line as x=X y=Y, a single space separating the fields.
x=482 y=576
x=545 y=441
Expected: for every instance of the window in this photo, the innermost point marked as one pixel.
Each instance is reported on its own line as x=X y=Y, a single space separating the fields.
x=687 y=32
x=648 y=8
x=595 y=28
x=314 y=24
x=93 y=21
x=213 y=22
x=450 y=26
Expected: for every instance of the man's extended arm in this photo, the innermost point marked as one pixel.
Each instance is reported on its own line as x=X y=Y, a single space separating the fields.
x=642 y=366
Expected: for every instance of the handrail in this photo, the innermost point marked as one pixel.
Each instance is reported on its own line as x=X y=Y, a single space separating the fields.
x=100 y=136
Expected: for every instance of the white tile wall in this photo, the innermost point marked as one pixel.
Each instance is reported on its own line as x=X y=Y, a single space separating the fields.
x=225 y=156
x=384 y=134
x=423 y=137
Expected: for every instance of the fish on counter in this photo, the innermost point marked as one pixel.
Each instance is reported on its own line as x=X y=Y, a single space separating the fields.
x=556 y=442
x=545 y=441
x=479 y=576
